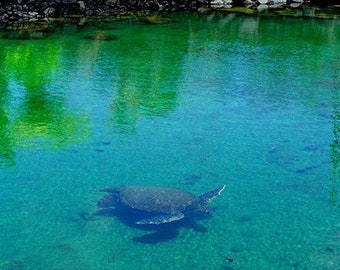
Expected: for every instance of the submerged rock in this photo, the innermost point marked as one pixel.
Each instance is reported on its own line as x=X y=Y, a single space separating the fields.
x=14 y=264
x=23 y=34
x=154 y=19
x=190 y=179
x=101 y=36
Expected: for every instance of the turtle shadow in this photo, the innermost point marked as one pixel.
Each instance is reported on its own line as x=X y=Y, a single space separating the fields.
x=165 y=232
x=158 y=233
x=158 y=236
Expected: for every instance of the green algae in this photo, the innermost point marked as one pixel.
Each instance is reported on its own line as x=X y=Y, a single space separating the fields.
x=242 y=10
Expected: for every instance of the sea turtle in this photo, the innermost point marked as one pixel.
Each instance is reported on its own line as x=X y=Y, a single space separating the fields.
x=161 y=204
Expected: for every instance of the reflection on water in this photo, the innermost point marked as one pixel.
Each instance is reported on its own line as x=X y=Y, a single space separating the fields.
x=142 y=75
x=33 y=112
x=204 y=100
x=145 y=70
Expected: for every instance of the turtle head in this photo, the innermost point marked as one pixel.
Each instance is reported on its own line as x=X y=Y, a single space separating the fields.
x=108 y=201
x=202 y=200
x=207 y=197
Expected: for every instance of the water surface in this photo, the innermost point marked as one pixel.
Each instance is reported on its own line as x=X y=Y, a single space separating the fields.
x=250 y=102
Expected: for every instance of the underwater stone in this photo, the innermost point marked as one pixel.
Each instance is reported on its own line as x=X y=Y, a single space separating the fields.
x=155 y=19
x=12 y=265
x=238 y=247
x=100 y=36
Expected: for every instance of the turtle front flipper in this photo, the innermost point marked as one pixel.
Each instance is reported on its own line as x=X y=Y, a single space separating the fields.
x=206 y=197
x=160 y=219
x=109 y=200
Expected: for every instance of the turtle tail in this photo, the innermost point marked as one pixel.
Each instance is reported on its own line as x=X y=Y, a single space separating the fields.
x=207 y=197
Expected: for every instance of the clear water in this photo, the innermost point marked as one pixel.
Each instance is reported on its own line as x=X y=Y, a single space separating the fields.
x=207 y=100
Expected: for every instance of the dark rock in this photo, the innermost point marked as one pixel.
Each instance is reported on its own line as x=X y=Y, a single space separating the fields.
x=89 y=13
x=69 y=1
x=49 y=12
x=44 y=5
x=33 y=13
x=82 y=6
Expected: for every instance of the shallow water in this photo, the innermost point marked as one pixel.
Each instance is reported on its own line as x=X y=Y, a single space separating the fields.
x=207 y=100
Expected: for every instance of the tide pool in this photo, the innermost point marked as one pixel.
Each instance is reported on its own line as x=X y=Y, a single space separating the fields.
x=204 y=100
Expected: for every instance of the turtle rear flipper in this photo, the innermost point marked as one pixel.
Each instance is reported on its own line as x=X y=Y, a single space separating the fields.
x=160 y=219
x=206 y=197
x=110 y=189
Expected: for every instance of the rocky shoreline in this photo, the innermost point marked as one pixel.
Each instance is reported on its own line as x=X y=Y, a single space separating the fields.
x=14 y=10
x=30 y=10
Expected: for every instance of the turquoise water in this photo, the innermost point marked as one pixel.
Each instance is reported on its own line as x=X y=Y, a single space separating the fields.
x=207 y=100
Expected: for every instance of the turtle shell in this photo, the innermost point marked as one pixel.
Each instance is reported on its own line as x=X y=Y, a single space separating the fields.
x=157 y=199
